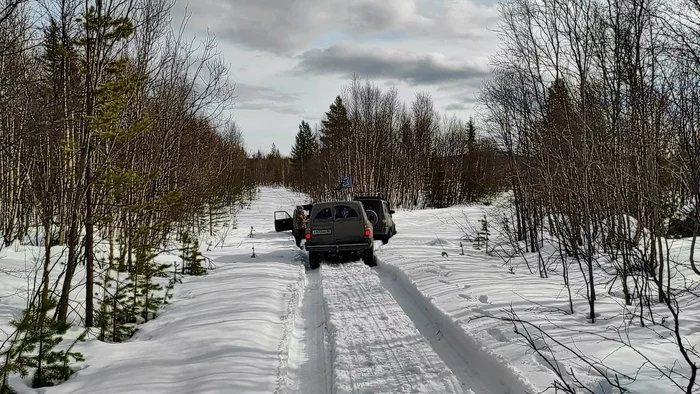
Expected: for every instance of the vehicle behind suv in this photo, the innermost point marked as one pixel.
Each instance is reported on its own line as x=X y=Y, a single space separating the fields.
x=339 y=229
x=379 y=214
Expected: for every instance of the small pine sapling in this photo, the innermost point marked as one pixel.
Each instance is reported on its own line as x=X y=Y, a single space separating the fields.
x=192 y=258
x=196 y=260
x=149 y=301
x=33 y=347
x=171 y=283
x=115 y=318
x=185 y=250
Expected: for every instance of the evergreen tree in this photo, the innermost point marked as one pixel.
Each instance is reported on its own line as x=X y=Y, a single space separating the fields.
x=336 y=126
x=149 y=302
x=274 y=152
x=471 y=133
x=334 y=136
x=217 y=214
x=114 y=316
x=305 y=147
x=34 y=346
x=192 y=259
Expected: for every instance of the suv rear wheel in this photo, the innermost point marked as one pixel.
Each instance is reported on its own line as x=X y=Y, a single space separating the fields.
x=314 y=260
x=368 y=258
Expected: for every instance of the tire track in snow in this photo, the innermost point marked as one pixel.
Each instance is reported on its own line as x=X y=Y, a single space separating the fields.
x=462 y=353
x=295 y=295
x=308 y=366
x=440 y=341
x=375 y=346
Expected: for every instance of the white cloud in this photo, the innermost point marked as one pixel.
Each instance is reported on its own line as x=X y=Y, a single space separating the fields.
x=414 y=68
x=290 y=58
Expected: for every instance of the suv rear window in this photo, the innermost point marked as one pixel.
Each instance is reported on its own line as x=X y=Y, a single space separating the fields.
x=324 y=214
x=345 y=212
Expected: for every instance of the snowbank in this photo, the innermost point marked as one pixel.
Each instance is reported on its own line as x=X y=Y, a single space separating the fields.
x=467 y=294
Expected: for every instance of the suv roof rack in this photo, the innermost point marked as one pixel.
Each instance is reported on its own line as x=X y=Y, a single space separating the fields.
x=360 y=195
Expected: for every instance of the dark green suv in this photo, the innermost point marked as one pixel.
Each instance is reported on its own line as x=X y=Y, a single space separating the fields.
x=379 y=214
x=339 y=229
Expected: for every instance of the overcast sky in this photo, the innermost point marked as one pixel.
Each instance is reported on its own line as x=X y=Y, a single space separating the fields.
x=290 y=58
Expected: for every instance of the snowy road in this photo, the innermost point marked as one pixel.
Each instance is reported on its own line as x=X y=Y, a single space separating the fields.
x=375 y=346
x=308 y=350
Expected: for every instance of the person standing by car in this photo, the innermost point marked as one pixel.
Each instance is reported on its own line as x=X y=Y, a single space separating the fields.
x=301 y=221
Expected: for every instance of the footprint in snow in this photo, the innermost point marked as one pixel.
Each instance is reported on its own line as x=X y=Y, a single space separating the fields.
x=484 y=299
x=415 y=370
x=497 y=334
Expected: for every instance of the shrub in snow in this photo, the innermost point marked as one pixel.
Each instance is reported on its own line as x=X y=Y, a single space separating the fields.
x=115 y=317
x=33 y=347
x=148 y=302
x=192 y=258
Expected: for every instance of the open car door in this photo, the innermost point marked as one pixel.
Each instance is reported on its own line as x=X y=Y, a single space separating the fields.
x=283 y=222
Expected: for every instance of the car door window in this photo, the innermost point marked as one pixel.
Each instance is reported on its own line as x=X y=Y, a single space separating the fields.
x=345 y=212
x=324 y=214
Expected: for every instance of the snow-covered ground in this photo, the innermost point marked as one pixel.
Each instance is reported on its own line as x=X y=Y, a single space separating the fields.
x=268 y=325
x=466 y=294
x=375 y=346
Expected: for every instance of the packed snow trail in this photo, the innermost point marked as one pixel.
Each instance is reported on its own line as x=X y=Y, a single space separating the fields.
x=309 y=369
x=375 y=346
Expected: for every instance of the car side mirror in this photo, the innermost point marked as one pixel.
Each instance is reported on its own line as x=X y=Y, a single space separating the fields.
x=391 y=212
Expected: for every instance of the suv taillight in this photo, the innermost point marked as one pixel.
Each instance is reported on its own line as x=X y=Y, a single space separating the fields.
x=308 y=234
x=368 y=232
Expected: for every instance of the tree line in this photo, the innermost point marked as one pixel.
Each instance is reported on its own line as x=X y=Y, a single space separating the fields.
x=408 y=152
x=112 y=145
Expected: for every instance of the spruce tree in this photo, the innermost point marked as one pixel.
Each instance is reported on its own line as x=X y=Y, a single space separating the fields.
x=149 y=302
x=113 y=318
x=274 y=152
x=336 y=126
x=192 y=259
x=471 y=132
x=305 y=147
